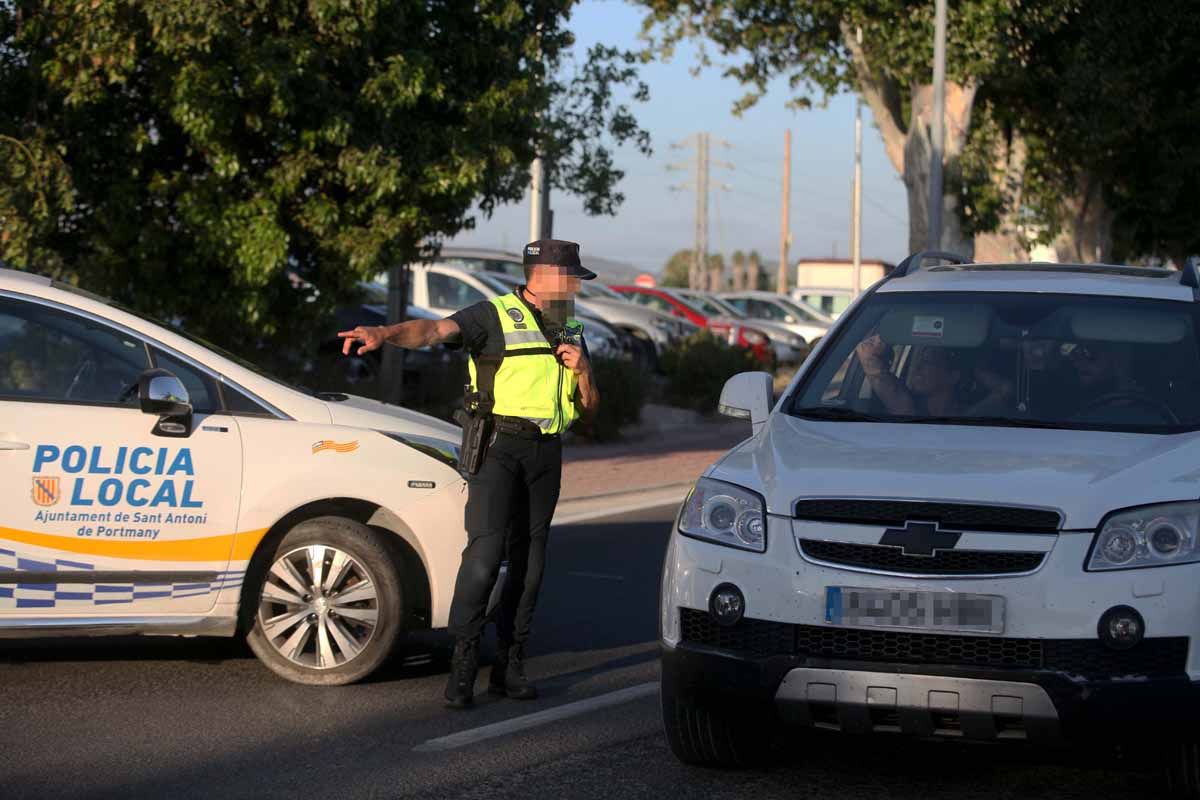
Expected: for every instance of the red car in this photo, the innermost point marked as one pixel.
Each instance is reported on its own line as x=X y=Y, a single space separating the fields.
x=728 y=328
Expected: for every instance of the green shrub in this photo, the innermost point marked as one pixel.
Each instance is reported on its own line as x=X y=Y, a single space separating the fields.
x=623 y=389
x=696 y=371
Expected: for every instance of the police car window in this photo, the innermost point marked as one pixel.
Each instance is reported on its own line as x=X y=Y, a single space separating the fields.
x=446 y=291
x=47 y=354
x=236 y=402
x=202 y=390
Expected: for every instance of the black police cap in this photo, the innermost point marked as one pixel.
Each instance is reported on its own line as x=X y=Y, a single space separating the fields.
x=558 y=253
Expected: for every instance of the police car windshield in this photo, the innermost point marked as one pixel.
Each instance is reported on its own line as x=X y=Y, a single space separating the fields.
x=1012 y=359
x=180 y=331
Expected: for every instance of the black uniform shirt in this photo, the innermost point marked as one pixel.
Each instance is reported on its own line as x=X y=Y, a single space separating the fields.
x=480 y=326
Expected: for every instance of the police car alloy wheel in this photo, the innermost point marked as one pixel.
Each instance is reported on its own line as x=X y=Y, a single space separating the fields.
x=328 y=607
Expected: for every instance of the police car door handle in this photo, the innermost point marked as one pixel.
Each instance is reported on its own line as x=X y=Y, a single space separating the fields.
x=9 y=444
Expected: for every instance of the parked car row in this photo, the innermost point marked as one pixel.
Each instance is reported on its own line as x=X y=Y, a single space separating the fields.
x=625 y=322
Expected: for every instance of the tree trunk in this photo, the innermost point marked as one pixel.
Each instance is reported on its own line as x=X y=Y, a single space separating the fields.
x=908 y=144
x=917 y=150
x=1087 y=232
x=1009 y=242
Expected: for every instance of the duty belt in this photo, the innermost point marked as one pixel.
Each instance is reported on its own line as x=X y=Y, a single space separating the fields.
x=516 y=426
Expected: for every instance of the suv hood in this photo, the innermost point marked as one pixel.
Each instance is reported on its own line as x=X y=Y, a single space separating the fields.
x=1083 y=474
x=362 y=412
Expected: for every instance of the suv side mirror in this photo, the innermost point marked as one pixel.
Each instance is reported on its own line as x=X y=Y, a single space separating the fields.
x=161 y=393
x=747 y=395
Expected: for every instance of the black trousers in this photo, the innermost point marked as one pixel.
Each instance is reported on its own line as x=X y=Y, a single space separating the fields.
x=516 y=487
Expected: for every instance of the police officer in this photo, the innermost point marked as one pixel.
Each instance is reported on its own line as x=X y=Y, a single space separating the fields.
x=527 y=353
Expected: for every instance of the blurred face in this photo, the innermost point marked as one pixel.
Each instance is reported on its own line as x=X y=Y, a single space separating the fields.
x=553 y=283
x=932 y=372
x=1093 y=364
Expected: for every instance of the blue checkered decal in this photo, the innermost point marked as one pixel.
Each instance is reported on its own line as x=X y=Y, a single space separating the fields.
x=58 y=595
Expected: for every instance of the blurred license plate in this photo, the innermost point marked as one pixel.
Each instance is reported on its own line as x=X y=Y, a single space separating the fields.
x=928 y=611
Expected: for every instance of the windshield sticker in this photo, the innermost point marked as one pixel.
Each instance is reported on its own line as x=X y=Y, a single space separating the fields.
x=930 y=327
x=336 y=447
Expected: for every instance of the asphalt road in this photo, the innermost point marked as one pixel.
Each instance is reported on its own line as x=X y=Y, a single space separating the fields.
x=138 y=718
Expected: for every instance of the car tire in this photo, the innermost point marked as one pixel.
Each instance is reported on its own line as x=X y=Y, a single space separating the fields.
x=1183 y=770
x=712 y=737
x=352 y=622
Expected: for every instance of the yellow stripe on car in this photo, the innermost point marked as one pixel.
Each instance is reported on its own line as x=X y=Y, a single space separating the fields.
x=231 y=546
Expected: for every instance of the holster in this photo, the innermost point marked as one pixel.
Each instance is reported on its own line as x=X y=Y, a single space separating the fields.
x=477 y=423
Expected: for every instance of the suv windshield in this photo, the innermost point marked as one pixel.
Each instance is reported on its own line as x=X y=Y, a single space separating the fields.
x=1036 y=360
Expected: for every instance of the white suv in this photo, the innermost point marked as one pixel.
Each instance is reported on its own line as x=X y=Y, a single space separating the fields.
x=150 y=484
x=973 y=514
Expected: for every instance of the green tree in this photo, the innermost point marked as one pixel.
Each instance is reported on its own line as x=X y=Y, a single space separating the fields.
x=677 y=268
x=813 y=45
x=187 y=158
x=1122 y=132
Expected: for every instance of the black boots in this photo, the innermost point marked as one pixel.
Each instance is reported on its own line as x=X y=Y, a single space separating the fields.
x=460 y=688
x=508 y=674
x=496 y=678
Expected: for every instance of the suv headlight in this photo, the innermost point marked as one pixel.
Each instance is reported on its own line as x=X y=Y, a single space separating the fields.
x=1150 y=536
x=726 y=514
x=440 y=449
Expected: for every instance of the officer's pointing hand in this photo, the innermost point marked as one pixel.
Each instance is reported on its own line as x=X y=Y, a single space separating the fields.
x=372 y=338
x=572 y=358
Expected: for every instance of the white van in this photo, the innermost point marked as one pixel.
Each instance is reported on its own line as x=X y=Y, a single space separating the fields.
x=973 y=515
x=150 y=484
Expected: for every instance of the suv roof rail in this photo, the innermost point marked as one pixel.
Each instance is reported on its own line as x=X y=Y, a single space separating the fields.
x=1190 y=274
x=917 y=260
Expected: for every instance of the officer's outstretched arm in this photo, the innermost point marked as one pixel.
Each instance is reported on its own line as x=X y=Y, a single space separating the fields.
x=412 y=334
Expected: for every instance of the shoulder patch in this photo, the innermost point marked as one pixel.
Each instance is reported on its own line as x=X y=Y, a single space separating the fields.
x=516 y=314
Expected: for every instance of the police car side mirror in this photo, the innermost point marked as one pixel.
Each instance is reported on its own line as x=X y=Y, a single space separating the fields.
x=161 y=393
x=747 y=395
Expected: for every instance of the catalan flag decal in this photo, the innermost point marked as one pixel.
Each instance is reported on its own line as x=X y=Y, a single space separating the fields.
x=337 y=447
x=46 y=490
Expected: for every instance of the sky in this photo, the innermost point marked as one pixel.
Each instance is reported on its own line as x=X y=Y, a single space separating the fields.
x=655 y=221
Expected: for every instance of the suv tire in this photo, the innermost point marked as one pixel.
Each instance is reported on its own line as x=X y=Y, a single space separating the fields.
x=710 y=737
x=354 y=649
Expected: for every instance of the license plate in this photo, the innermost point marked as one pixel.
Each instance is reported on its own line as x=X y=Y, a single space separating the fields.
x=914 y=610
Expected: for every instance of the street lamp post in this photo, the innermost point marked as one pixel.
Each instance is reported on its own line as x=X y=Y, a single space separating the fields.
x=938 y=133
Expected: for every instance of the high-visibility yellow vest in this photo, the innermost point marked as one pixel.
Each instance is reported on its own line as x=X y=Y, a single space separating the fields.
x=530 y=383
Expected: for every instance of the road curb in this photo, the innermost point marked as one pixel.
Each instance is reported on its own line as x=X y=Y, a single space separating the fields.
x=582 y=509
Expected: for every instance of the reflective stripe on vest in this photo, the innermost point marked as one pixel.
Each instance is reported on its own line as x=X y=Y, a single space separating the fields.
x=530 y=382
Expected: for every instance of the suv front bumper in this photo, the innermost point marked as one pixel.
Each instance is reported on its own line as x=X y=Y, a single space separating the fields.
x=928 y=700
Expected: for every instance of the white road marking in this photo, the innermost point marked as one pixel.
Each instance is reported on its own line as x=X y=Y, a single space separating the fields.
x=586 y=509
x=600 y=576
x=464 y=738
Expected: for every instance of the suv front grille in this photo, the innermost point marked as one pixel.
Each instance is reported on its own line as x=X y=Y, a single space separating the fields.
x=960 y=516
x=1087 y=658
x=942 y=562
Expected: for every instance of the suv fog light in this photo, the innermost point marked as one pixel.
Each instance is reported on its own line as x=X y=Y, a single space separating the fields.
x=1121 y=627
x=727 y=605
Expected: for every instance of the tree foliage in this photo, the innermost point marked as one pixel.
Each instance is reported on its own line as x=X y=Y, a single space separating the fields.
x=186 y=157
x=1113 y=99
x=675 y=272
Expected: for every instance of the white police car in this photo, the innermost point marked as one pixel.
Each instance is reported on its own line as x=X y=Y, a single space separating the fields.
x=974 y=514
x=149 y=484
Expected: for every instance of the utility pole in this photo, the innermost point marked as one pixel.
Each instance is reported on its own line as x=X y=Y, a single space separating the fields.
x=939 y=115
x=698 y=275
x=856 y=229
x=785 y=216
x=698 y=278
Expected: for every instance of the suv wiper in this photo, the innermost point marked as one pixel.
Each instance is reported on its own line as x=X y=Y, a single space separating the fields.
x=998 y=422
x=838 y=413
